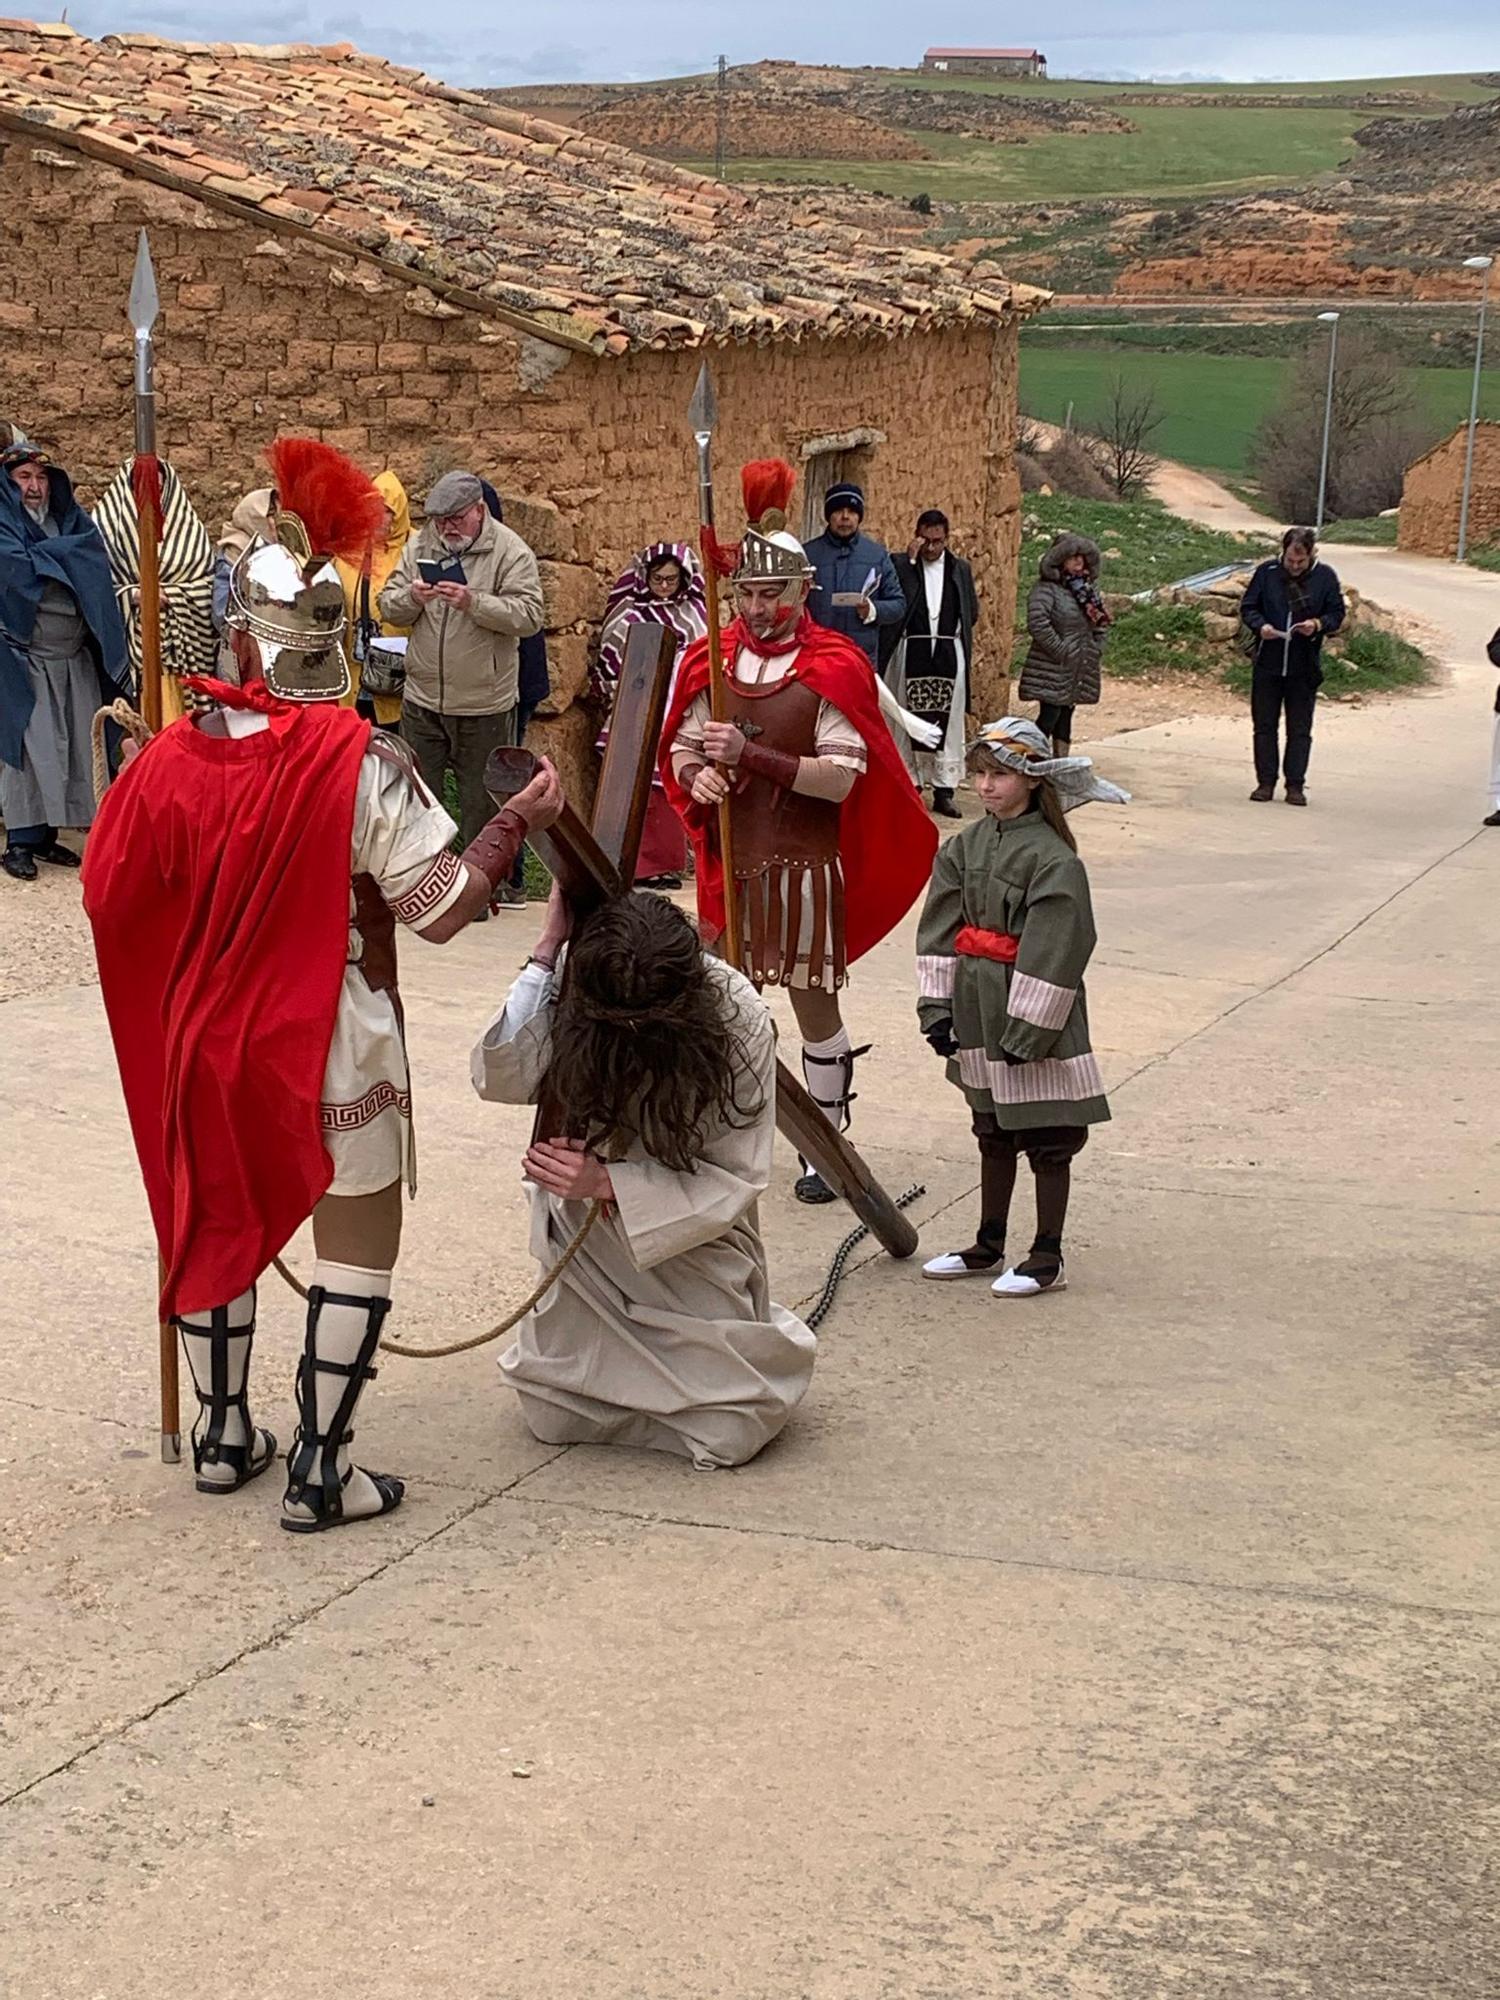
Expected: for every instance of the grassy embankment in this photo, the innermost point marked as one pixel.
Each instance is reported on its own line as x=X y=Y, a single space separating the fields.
x=1175 y=150
x=1144 y=547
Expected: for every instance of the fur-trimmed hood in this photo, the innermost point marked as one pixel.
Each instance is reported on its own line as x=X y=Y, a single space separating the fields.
x=1050 y=568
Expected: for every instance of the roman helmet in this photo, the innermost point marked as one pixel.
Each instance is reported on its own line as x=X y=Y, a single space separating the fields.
x=769 y=552
x=286 y=594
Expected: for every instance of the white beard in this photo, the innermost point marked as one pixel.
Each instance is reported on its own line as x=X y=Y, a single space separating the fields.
x=38 y=512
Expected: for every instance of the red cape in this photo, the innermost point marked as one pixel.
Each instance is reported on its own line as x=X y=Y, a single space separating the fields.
x=217 y=883
x=886 y=840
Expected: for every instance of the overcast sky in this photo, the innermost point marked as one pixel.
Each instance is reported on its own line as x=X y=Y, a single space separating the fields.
x=474 y=42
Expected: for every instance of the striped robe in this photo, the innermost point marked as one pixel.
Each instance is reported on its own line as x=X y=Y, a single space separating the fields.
x=1019 y=878
x=189 y=644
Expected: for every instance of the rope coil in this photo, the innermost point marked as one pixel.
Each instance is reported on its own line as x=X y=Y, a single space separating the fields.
x=507 y=1325
x=123 y=716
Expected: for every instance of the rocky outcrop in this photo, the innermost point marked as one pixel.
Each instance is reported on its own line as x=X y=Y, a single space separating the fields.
x=683 y=125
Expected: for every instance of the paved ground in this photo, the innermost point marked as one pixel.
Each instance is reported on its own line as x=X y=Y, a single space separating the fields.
x=1139 y=1641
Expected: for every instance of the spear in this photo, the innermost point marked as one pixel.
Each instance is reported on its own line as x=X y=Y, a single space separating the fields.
x=703 y=415
x=145 y=485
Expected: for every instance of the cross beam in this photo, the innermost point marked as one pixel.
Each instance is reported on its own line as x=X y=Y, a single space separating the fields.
x=595 y=863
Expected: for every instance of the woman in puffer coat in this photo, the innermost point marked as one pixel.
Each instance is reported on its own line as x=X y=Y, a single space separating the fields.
x=1066 y=618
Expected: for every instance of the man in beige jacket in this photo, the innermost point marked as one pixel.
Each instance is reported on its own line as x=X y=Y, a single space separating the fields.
x=462 y=657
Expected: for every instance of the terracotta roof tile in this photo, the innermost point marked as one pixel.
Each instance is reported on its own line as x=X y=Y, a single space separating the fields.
x=587 y=242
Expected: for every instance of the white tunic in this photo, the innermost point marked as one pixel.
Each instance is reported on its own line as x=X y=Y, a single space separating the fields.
x=662 y=1331
x=402 y=837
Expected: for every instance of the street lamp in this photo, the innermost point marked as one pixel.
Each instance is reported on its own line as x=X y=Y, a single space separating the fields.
x=1473 y=264
x=1328 y=319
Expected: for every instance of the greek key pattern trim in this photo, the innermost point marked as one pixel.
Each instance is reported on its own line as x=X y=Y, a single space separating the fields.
x=434 y=887
x=379 y=1097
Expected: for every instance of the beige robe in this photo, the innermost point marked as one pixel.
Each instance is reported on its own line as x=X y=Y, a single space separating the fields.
x=662 y=1331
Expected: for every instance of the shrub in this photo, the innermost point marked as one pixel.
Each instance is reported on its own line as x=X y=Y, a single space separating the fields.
x=1071 y=468
x=1031 y=472
x=922 y=203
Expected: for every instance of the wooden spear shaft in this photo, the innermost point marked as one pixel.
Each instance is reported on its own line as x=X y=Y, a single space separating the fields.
x=718 y=704
x=146 y=487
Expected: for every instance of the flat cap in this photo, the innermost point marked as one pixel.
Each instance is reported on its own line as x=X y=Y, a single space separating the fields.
x=453 y=492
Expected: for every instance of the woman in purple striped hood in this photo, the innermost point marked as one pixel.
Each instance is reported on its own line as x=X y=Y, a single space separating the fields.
x=663 y=586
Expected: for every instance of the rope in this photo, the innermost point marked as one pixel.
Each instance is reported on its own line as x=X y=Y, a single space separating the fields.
x=476 y=1339
x=124 y=717
x=842 y=1255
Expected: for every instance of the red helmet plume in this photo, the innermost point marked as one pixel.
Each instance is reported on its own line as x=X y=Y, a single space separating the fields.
x=334 y=498
x=766 y=484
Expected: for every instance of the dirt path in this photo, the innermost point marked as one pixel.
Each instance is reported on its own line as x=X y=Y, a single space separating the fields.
x=1195 y=496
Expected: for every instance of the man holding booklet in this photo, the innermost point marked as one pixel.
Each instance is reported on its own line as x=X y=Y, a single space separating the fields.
x=468 y=588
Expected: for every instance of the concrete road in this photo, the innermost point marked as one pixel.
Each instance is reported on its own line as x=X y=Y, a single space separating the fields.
x=1140 y=1640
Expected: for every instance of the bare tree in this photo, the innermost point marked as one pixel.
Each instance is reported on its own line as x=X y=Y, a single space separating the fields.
x=1130 y=419
x=1374 y=433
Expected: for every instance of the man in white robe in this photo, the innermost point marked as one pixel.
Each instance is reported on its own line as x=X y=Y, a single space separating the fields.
x=661 y=1332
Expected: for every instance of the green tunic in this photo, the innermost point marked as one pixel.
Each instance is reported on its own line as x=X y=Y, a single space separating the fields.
x=1017 y=877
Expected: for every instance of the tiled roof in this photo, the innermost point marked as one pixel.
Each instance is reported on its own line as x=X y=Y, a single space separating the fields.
x=584 y=242
x=988 y=55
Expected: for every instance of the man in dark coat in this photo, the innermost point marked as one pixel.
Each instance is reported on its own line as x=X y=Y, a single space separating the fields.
x=1294 y=602
x=929 y=665
x=1493 y=649
x=62 y=657
x=854 y=581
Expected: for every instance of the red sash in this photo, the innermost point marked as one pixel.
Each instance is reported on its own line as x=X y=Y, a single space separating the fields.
x=1000 y=946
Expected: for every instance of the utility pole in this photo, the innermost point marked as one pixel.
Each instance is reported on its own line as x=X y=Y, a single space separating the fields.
x=1481 y=264
x=1329 y=319
x=721 y=117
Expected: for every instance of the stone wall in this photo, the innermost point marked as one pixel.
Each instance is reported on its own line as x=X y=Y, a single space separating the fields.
x=262 y=333
x=1432 y=495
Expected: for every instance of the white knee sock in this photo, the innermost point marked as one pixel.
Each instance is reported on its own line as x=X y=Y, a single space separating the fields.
x=198 y=1346
x=828 y=1081
x=342 y=1331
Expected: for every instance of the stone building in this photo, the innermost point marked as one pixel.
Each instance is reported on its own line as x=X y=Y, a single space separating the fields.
x=986 y=62
x=1432 y=495
x=347 y=248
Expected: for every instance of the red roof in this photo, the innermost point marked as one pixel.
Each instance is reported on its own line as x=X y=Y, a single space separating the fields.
x=988 y=55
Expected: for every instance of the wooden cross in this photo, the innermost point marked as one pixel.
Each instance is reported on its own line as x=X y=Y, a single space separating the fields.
x=593 y=863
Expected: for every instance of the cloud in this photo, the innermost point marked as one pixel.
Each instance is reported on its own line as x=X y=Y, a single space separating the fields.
x=467 y=42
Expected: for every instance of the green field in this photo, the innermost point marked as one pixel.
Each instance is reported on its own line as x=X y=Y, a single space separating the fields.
x=1214 y=403
x=1198 y=150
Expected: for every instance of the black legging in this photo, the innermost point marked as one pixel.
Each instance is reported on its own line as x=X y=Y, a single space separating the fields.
x=1053 y=719
x=1051 y=1150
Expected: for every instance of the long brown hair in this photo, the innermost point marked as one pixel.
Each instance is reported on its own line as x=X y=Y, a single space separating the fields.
x=642 y=1046
x=1048 y=803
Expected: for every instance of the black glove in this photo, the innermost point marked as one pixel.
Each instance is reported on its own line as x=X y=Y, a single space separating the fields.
x=1012 y=1062
x=942 y=1039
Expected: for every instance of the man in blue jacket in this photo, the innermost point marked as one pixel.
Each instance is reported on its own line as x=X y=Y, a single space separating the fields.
x=854 y=567
x=1293 y=604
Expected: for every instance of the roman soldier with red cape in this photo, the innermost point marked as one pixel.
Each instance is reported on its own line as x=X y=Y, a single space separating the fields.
x=832 y=845
x=244 y=880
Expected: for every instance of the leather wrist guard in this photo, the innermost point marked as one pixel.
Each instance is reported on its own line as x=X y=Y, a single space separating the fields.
x=780 y=766
x=494 y=848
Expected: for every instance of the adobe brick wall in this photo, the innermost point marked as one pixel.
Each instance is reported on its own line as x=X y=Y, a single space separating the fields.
x=263 y=332
x=1432 y=495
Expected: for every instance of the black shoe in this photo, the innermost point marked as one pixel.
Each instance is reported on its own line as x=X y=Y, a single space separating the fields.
x=19 y=863
x=58 y=855
x=814 y=1189
x=1262 y=795
x=942 y=802
x=1295 y=795
x=660 y=882
x=481 y=916
x=1493 y=820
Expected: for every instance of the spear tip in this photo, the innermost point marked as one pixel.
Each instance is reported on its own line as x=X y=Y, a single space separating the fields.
x=703 y=411
x=144 y=303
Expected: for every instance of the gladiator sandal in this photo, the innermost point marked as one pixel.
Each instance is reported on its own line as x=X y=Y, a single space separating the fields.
x=811 y=1186
x=318 y=1466
x=228 y=1451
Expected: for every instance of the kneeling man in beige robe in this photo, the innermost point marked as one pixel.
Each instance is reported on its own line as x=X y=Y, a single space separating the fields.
x=658 y=1067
